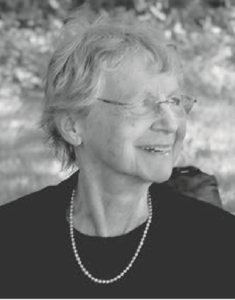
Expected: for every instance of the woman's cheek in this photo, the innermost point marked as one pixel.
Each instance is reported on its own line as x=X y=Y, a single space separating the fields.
x=181 y=131
x=180 y=135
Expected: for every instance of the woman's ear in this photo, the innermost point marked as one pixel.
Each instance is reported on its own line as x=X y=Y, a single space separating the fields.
x=70 y=128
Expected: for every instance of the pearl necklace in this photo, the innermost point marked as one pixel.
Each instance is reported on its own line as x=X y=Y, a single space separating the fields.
x=119 y=276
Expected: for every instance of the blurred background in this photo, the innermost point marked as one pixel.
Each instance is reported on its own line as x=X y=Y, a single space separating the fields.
x=204 y=32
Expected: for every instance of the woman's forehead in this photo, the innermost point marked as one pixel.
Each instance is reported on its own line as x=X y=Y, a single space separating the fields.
x=138 y=78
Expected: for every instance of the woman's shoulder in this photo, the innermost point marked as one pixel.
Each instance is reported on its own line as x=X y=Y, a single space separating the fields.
x=25 y=205
x=36 y=205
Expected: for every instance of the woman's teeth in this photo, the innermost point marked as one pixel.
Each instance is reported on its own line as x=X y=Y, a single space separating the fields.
x=156 y=149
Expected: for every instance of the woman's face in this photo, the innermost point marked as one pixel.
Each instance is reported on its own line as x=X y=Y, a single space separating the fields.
x=118 y=141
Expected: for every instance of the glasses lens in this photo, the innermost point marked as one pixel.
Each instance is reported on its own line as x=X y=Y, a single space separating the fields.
x=188 y=103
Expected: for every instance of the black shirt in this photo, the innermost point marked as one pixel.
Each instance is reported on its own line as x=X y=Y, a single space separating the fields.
x=189 y=250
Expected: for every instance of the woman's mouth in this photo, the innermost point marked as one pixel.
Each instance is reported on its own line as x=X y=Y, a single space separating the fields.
x=163 y=149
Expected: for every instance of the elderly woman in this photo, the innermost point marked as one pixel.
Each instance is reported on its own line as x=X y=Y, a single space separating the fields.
x=115 y=109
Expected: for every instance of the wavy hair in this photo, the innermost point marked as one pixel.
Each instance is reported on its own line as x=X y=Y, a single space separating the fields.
x=87 y=45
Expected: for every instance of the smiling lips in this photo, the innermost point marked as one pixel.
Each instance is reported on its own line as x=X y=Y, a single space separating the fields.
x=161 y=149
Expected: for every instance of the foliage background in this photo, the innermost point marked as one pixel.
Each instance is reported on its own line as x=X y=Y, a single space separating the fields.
x=204 y=32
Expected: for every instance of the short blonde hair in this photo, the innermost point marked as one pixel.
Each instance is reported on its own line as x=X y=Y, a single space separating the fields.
x=88 y=44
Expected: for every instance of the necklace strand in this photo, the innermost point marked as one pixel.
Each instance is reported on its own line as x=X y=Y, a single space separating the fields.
x=120 y=275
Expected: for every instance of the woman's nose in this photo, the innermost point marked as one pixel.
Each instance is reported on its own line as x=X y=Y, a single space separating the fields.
x=166 y=119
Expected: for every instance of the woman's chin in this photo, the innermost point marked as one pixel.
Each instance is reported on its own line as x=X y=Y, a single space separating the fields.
x=157 y=175
x=163 y=175
x=160 y=171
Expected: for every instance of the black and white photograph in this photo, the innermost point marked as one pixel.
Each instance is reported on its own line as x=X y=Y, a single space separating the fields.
x=117 y=149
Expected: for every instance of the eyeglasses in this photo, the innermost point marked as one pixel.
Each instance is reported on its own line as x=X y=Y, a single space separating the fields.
x=150 y=105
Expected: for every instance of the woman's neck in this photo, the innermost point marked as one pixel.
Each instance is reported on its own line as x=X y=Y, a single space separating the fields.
x=109 y=206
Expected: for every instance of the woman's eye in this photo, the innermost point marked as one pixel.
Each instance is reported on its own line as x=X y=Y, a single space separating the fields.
x=175 y=100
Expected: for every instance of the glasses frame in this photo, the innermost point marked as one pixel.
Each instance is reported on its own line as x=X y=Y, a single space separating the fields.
x=167 y=101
